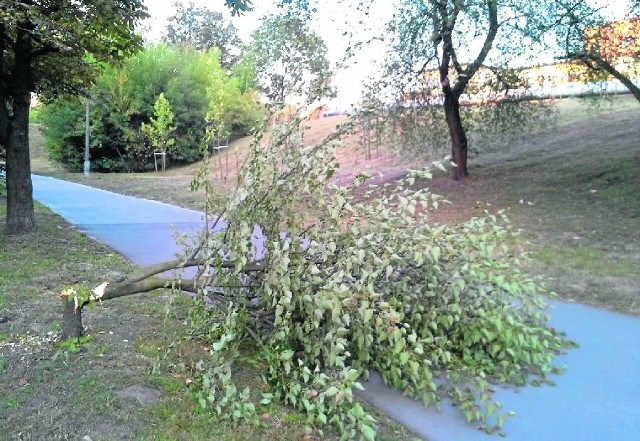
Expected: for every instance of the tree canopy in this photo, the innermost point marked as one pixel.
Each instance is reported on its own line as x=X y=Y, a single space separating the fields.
x=586 y=33
x=239 y=7
x=61 y=35
x=204 y=29
x=52 y=48
x=289 y=58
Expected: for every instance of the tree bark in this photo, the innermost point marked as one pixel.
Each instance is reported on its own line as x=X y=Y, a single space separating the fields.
x=595 y=62
x=71 y=320
x=444 y=25
x=20 y=213
x=459 y=144
x=145 y=280
x=4 y=114
x=72 y=314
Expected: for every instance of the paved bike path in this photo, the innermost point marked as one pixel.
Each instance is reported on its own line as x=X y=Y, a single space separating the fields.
x=141 y=230
x=597 y=398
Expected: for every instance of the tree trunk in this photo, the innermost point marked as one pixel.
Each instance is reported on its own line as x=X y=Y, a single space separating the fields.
x=145 y=280
x=624 y=79
x=5 y=122
x=20 y=214
x=457 y=134
x=71 y=320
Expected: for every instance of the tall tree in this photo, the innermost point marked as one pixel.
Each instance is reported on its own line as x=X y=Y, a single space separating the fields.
x=458 y=39
x=51 y=48
x=203 y=29
x=438 y=35
x=290 y=59
x=586 y=33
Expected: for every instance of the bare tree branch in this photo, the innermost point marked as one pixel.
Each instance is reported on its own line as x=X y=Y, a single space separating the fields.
x=595 y=62
x=470 y=71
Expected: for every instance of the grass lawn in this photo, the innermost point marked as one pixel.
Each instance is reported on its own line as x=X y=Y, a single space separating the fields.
x=574 y=192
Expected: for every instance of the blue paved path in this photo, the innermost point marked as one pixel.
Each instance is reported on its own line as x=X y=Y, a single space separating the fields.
x=598 y=398
x=141 y=230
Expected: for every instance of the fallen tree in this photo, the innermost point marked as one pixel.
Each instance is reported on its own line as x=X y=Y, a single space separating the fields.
x=362 y=280
x=145 y=280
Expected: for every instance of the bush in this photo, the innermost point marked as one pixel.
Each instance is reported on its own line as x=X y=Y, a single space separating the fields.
x=124 y=99
x=63 y=127
x=34 y=114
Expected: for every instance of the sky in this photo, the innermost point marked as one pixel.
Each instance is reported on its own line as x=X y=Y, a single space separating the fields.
x=329 y=23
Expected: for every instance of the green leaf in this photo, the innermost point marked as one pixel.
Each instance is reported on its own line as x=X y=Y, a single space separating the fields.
x=367 y=432
x=286 y=355
x=332 y=391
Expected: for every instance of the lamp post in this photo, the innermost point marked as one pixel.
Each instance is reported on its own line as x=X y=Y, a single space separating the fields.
x=87 y=163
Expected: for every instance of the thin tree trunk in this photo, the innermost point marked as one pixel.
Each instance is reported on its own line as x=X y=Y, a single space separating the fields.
x=445 y=18
x=145 y=280
x=5 y=122
x=72 y=313
x=608 y=67
x=71 y=320
x=4 y=113
x=457 y=134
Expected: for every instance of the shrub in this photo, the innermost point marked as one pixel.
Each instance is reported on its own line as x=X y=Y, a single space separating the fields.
x=63 y=127
x=124 y=98
x=34 y=114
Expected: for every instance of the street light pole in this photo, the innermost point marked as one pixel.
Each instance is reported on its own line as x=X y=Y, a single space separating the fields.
x=87 y=163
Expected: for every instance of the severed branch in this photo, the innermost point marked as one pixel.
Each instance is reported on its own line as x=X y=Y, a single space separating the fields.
x=145 y=280
x=159 y=268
